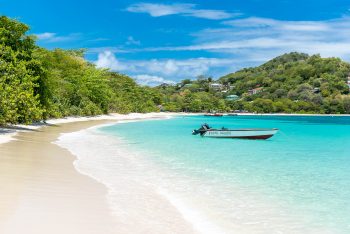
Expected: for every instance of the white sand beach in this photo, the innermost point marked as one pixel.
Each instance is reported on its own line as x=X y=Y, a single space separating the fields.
x=7 y=133
x=41 y=191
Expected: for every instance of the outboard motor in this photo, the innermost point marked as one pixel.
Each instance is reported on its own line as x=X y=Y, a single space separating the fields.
x=205 y=127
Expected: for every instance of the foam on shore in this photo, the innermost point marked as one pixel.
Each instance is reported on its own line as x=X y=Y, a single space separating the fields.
x=159 y=198
x=7 y=133
x=6 y=136
x=133 y=194
x=147 y=198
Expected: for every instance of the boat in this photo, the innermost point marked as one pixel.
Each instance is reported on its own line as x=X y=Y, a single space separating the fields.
x=214 y=115
x=244 y=133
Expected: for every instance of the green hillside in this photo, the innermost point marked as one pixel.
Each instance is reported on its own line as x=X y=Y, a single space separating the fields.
x=291 y=83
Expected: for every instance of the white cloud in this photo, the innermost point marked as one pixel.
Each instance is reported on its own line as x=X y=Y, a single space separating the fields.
x=158 y=10
x=151 y=80
x=244 y=42
x=45 y=36
x=50 y=37
x=212 y=14
x=255 y=37
x=164 y=70
x=180 y=69
x=108 y=60
x=255 y=22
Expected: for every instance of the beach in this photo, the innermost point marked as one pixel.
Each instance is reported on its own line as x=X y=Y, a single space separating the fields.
x=42 y=192
x=108 y=174
x=166 y=117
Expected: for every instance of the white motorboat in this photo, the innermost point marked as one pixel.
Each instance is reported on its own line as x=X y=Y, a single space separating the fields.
x=244 y=133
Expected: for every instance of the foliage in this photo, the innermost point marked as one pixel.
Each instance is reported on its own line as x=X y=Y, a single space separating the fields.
x=36 y=83
x=291 y=83
x=18 y=102
x=127 y=96
x=310 y=82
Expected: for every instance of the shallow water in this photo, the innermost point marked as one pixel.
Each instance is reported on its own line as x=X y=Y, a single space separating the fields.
x=296 y=182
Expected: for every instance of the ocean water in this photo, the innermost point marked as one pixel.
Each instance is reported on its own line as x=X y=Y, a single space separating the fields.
x=295 y=182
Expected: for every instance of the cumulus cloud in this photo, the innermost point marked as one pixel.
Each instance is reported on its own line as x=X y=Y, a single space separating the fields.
x=151 y=80
x=183 y=68
x=107 y=59
x=244 y=42
x=163 y=70
x=158 y=10
x=178 y=69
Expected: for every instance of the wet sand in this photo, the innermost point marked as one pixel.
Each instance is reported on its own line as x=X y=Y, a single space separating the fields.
x=41 y=192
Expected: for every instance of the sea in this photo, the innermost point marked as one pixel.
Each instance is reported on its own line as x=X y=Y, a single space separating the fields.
x=298 y=181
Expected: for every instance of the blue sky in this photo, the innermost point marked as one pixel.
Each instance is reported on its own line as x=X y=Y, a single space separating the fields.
x=166 y=41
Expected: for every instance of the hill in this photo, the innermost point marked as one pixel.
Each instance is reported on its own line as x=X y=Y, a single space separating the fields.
x=291 y=83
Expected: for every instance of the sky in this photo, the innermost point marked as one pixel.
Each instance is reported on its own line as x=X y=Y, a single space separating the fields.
x=167 y=41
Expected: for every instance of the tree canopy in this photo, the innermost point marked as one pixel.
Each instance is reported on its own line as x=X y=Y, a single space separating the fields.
x=36 y=83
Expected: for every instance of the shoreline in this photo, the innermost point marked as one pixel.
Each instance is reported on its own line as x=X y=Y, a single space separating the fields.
x=132 y=197
x=8 y=133
x=286 y=114
x=49 y=188
x=43 y=192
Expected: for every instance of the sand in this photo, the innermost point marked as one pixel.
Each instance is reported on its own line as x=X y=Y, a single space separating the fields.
x=41 y=192
x=7 y=133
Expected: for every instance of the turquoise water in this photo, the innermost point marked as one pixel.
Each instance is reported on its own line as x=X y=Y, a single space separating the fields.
x=300 y=178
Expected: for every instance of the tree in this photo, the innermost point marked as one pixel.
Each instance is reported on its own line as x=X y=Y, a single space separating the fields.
x=18 y=102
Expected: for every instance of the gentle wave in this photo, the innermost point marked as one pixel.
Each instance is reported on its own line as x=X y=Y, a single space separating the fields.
x=143 y=193
x=133 y=183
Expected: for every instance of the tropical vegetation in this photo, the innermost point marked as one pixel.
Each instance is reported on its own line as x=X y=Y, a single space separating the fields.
x=291 y=83
x=37 y=84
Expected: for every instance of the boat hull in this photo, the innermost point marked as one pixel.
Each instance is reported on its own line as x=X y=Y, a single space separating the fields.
x=213 y=115
x=254 y=134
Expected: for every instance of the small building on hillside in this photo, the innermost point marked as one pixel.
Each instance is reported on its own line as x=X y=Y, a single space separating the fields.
x=230 y=87
x=232 y=97
x=348 y=81
x=216 y=86
x=255 y=91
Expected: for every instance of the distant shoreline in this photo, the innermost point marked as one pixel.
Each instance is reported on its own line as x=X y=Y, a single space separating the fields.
x=286 y=114
x=9 y=132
